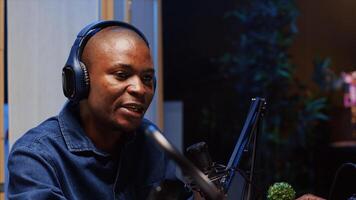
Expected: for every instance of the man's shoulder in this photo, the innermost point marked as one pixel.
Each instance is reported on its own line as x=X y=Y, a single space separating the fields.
x=46 y=132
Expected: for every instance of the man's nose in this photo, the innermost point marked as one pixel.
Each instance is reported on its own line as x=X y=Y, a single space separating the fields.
x=136 y=86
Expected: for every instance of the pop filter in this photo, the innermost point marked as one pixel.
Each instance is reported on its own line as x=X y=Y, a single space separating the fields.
x=203 y=182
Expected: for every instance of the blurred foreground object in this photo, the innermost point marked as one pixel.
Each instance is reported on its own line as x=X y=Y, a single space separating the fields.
x=310 y=197
x=350 y=94
x=281 y=191
x=350 y=97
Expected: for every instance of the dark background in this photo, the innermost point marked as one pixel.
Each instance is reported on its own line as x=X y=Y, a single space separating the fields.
x=196 y=34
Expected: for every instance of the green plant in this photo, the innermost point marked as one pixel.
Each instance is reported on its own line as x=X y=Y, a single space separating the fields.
x=281 y=191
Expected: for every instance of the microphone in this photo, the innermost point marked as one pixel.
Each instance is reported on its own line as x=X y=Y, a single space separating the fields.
x=202 y=181
x=199 y=154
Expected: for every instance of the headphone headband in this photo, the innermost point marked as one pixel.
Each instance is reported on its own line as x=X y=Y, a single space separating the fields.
x=103 y=24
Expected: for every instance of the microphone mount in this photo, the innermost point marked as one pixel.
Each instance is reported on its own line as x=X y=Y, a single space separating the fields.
x=249 y=133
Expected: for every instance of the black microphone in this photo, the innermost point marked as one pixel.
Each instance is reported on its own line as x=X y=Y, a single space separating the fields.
x=199 y=155
x=203 y=182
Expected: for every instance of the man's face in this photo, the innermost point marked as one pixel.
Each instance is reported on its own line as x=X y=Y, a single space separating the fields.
x=121 y=80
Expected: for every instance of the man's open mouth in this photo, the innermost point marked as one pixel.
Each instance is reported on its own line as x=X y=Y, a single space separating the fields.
x=134 y=107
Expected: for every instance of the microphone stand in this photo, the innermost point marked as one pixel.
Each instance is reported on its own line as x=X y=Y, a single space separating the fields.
x=249 y=132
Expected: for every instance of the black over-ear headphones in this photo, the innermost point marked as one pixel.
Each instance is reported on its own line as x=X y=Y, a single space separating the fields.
x=75 y=77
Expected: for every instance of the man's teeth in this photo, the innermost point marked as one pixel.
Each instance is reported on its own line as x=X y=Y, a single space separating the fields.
x=134 y=108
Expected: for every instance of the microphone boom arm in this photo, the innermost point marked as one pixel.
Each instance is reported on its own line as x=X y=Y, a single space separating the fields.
x=249 y=130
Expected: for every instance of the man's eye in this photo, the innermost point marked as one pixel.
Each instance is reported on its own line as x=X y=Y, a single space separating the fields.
x=121 y=75
x=148 y=78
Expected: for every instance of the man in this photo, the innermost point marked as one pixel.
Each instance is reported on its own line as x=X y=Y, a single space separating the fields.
x=94 y=148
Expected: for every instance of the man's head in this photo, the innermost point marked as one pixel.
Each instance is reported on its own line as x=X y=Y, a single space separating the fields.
x=120 y=73
x=121 y=78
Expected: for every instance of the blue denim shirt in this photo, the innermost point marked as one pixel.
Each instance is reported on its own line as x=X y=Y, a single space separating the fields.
x=56 y=160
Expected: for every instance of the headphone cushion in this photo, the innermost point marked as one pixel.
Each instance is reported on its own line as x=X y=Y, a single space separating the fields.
x=86 y=80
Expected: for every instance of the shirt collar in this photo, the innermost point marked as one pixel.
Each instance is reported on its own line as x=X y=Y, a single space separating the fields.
x=73 y=133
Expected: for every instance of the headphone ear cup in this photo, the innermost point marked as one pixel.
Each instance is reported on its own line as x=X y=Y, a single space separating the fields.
x=75 y=82
x=68 y=82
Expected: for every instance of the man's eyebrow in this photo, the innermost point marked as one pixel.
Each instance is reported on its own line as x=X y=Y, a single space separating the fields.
x=150 y=70
x=128 y=66
x=123 y=65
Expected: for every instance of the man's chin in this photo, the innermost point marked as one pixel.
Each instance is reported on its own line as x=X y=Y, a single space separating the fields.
x=129 y=126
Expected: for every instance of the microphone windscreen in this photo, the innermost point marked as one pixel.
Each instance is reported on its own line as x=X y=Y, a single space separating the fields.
x=199 y=154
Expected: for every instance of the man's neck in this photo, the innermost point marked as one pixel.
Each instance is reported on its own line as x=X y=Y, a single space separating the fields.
x=103 y=137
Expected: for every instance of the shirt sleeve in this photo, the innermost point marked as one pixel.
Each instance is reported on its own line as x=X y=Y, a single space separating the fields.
x=31 y=176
